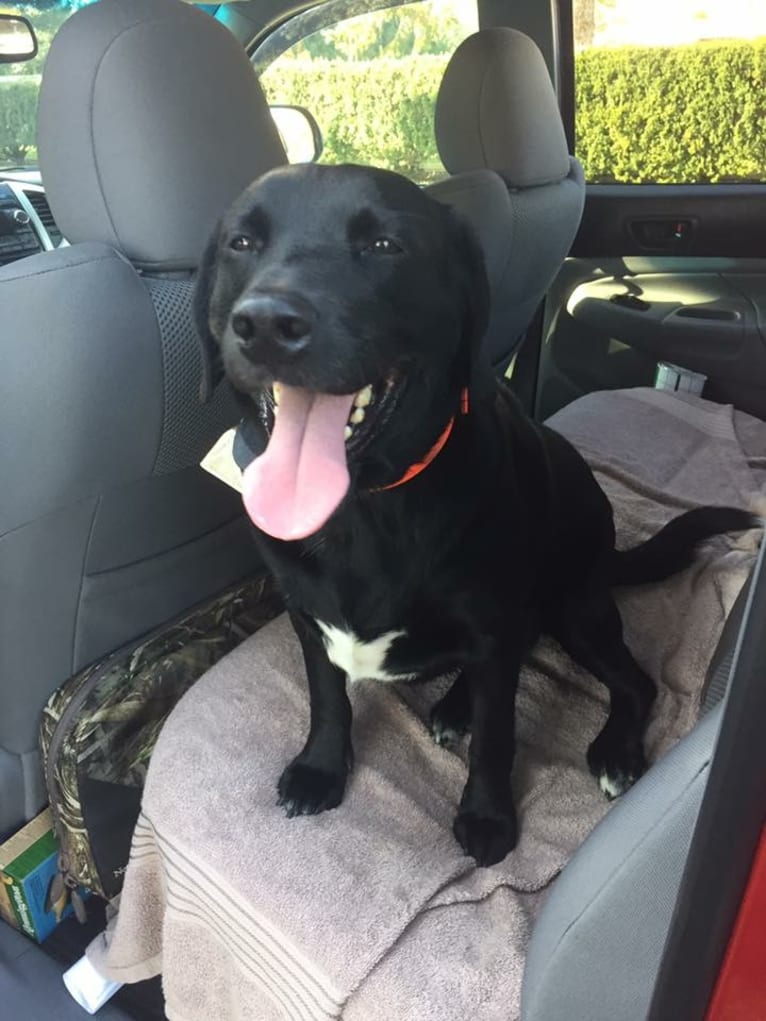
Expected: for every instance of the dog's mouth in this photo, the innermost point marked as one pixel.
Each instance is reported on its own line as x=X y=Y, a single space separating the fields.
x=370 y=408
x=294 y=487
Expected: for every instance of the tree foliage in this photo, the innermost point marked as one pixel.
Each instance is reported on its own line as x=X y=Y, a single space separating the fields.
x=357 y=126
x=398 y=32
x=46 y=17
x=18 y=115
x=678 y=114
x=673 y=114
x=644 y=114
x=587 y=18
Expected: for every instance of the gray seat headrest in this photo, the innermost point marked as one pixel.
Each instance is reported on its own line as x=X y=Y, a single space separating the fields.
x=151 y=121
x=497 y=110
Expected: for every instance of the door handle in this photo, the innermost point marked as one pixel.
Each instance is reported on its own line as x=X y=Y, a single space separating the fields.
x=666 y=233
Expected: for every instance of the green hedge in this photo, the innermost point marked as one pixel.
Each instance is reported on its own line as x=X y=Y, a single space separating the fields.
x=663 y=114
x=379 y=111
x=18 y=116
x=675 y=114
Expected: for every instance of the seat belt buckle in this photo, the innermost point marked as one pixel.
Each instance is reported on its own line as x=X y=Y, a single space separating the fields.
x=675 y=377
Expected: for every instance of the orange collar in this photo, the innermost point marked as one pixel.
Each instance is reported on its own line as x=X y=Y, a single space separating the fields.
x=436 y=449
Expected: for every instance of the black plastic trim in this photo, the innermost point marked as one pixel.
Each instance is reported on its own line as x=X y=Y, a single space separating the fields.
x=727 y=833
x=561 y=14
x=727 y=219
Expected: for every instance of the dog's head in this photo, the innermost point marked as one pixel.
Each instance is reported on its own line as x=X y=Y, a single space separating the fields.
x=350 y=306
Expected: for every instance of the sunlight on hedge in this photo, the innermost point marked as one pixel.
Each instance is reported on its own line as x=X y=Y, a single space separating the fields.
x=673 y=114
x=678 y=114
x=18 y=117
x=645 y=114
x=378 y=111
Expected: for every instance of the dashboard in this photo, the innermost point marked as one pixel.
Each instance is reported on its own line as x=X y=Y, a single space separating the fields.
x=26 y=222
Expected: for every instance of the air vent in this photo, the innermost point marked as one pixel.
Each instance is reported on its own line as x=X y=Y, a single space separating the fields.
x=43 y=210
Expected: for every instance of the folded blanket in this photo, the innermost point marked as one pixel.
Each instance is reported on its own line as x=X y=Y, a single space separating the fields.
x=371 y=912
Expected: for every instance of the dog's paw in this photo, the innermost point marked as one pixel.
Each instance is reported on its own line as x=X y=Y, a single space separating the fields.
x=446 y=733
x=486 y=837
x=450 y=720
x=615 y=765
x=307 y=790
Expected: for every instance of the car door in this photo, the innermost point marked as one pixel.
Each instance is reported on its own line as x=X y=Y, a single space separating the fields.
x=666 y=104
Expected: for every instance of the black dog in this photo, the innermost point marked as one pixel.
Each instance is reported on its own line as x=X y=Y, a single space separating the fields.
x=416 y=520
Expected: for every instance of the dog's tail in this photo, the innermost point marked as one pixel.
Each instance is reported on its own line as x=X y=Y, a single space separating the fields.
x=674 y=546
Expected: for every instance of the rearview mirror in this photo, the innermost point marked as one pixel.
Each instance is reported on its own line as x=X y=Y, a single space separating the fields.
x=301 y=135
x=17 y=39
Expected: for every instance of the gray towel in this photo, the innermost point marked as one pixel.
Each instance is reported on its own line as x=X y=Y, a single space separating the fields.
x=370 y=912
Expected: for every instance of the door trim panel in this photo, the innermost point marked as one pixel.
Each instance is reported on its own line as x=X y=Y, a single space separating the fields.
x=720 y=220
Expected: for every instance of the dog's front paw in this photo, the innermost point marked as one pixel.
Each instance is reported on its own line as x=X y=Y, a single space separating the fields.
x=451 y=716
x=486 y=836
x=616 y=764
x=447 y=729
x=306 y=790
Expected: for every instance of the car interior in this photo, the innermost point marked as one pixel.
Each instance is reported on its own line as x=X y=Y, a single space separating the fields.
x=153 y=116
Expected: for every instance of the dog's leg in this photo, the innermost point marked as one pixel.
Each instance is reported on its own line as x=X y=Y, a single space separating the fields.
x=451 y=716
x=315 y=780
x=485 y=825
x=590 y=629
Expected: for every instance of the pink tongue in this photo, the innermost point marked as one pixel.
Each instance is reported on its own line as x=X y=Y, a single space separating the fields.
x=298 y=481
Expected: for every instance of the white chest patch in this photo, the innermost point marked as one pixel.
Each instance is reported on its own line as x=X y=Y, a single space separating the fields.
x=357 y=659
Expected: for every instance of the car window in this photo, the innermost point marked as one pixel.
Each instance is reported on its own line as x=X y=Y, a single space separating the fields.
x=670 y=91
x=371 y=81
x=20 y=83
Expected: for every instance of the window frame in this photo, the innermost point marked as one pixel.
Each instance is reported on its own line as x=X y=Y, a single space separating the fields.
x=269 y=45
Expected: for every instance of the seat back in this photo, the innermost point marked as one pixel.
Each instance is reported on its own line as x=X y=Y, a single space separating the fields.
x=596 y=948
x=151 y=121
x=500 y=136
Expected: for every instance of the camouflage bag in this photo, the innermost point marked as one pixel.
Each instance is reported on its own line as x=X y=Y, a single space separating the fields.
x=99 y=729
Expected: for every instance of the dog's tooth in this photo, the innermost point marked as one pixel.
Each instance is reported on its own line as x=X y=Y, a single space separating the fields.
x=277 y=391
x=364 y=397
x=348 y=432
x=357 y=416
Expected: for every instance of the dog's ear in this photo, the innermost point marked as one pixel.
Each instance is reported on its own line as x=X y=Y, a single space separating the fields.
x=212 y=362
x=472 y=285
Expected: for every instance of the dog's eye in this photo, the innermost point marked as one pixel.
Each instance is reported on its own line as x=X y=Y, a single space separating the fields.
x=384 y=246
x=243 y=243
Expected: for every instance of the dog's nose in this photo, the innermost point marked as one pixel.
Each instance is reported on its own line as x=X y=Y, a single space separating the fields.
x=271 y=323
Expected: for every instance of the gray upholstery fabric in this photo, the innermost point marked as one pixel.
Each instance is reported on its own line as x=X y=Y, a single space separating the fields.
x=500 y=135
x=54 y=304
x=94 y=548
x=151 y=121
x=496 y=109
x=525 y=236
x=188 y=425
x=596 y=947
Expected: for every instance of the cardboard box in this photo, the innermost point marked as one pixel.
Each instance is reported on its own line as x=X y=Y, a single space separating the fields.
x=28 y=864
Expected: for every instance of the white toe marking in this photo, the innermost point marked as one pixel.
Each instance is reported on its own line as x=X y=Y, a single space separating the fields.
x=609 y=786
x=360 y=660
